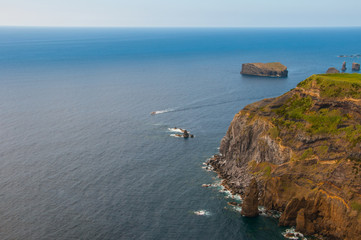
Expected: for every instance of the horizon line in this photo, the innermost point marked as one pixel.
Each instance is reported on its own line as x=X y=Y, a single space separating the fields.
x=76 y=26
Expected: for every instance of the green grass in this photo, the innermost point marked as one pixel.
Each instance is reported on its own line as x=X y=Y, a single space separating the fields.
x=296 y=114
x=324 y=121
x=340 y=85
x=267 y=171
x=306 y=154
x=356 y=206
x=322 y=150
x=274 y=132
x=295 y=107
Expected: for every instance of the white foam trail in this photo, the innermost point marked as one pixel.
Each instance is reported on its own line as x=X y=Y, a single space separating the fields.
x=237 y=208
x=202 y=213
x=237 y=197
x=292 y=234
x=208 y=168
x=179 y=130
x=162 y=111
x=175 y=135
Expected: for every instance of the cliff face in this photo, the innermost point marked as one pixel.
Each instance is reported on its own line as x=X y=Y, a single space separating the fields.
x=304 y=149
x=274 y=69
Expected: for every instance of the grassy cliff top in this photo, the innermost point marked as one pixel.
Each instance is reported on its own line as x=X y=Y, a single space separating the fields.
x=275 y=66
x=338 y=85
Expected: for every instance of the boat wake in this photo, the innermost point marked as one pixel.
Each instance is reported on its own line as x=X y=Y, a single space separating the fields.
x=193 y=107
x=178 y=130
x=176 y=135
x=161 y=111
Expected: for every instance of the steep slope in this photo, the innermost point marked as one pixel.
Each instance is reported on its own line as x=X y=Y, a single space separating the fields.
x=304 y=149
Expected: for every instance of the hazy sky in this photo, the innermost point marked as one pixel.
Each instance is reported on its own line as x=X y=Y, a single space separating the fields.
x=177 y=13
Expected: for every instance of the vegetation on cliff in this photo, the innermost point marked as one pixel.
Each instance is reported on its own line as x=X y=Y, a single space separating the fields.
x=303 y=112
x=304 y=149
x=334 y=85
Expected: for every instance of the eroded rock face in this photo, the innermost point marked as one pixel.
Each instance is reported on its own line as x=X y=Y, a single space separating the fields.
x=274 y=69
x=250 y=202
x=309 y=177
x=332 y=70
x=355 y=67
x=289 y=216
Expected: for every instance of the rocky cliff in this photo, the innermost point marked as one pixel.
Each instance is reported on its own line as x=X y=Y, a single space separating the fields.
x=304 y=150
x=274 y=69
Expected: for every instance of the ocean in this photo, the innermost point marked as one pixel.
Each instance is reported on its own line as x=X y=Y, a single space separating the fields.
x=81 y=157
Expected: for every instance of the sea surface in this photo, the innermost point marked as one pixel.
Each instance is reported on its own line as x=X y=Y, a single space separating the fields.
x=82 y=158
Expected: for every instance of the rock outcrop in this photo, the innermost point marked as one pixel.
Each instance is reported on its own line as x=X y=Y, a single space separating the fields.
x=343 y=69
x=303 y=149
x=274 y=69
x=250 y=202
x=332 y=70
x=355 y=66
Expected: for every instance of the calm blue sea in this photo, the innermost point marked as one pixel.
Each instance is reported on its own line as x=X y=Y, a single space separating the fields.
x=82 y=158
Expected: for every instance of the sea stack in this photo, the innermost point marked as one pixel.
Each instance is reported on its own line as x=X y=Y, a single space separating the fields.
x=343 y=69
x=332 y=70
x=250 y=203
x=273 y=69
x=355 y=67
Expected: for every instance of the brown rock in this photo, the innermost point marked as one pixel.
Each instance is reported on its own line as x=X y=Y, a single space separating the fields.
x=289 y=216
x=355 y=66
x=343 y=69
x=301 y=221
x=233 y=204
x=274 y=69
x=332 y=70
x=250 y=203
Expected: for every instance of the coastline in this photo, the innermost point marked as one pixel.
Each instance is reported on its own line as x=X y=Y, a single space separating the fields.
x=302 y=148
x=213 y=164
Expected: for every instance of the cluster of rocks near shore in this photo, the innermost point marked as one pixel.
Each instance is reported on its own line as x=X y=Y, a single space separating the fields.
x=355 y=68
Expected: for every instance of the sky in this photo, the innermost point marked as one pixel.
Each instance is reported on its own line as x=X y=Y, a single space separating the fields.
x=181 y=13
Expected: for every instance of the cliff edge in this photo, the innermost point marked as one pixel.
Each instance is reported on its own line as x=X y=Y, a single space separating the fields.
x=304 y=150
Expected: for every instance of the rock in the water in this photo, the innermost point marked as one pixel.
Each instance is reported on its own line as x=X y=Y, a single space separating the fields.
x=250 y=203
x=274 y=69
x=355 y=66
x=301 y=221
x=235 y=204
x=332 y=70
x=343 y=69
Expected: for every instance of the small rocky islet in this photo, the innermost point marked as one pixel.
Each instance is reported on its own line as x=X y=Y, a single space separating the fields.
x=272 y=69
x=300 y=153
x=184 y=133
